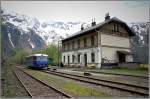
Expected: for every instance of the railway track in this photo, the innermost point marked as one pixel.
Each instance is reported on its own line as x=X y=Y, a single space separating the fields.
x=100 y=72
x=140 y=90
x=36 y=87
x=145 y=77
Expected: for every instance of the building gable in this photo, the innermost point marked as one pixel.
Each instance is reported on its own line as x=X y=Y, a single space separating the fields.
x=116 y=29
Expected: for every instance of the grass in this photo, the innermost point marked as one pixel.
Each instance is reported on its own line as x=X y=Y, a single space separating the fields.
x=128 y=71
x=77 y=89
x=12 y=87
x=141 y=71
x=69 y=86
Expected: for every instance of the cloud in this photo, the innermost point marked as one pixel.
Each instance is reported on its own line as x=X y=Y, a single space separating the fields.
x=136 y=4
x=129 y=11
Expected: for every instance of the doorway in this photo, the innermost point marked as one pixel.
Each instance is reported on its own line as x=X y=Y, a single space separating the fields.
x=121 y=57
x=85 y=60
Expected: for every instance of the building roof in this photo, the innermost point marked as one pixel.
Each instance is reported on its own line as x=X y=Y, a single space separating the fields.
x=93 y=28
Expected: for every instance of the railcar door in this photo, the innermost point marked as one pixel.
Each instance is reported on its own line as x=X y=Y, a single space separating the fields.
x=34 y=59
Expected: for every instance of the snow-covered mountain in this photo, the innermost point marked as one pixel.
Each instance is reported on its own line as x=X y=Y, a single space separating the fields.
x=53 y=31
x=24 y=32
x=50 y=31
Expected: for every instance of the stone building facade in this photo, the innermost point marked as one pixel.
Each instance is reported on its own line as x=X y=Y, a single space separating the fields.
x=104 y=43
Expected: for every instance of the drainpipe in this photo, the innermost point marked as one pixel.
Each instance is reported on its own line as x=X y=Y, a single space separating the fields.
x=99 y=48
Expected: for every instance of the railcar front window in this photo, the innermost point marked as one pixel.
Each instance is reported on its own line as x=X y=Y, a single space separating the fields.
x=42 y=58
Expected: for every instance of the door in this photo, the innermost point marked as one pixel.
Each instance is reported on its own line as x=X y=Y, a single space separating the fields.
x=121 y=57
x=85 y=60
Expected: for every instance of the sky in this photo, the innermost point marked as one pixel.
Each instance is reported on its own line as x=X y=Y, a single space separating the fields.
x=85 y=11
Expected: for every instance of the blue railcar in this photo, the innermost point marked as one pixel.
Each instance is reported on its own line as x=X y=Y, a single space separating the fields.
x=38 y=61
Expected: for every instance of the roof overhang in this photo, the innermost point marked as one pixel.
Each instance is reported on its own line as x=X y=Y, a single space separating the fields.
x=125 y=52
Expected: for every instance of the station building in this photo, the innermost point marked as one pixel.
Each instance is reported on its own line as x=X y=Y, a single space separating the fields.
x=104 y=43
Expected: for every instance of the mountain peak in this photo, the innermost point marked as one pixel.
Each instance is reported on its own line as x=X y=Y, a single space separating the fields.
x=49 y=31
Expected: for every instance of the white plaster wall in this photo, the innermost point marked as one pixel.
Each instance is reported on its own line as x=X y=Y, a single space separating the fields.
x=82 y=52
x=111 y=53
x=115 y=41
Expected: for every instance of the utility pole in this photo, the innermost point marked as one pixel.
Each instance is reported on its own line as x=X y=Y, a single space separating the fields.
x=58 y=53
x=59 y=42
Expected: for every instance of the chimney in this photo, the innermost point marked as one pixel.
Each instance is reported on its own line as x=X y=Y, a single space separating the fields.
x=107 y=17
x=82 y=28
x=93 y=22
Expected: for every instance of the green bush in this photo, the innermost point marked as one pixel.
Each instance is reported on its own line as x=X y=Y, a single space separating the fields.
x=52 y=52
x=19 y=57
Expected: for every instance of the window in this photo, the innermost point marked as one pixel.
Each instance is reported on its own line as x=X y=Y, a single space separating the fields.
x=92 y=57
x=68 y=59
x=85 y=42
x=73 y=57
x=79 y=43
x=92 y=40
x=116 y=28
x=64 y=58
x=78 y=58
x=68 y=46
x=72 y=44
x=63 y=47
x=41 y=58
